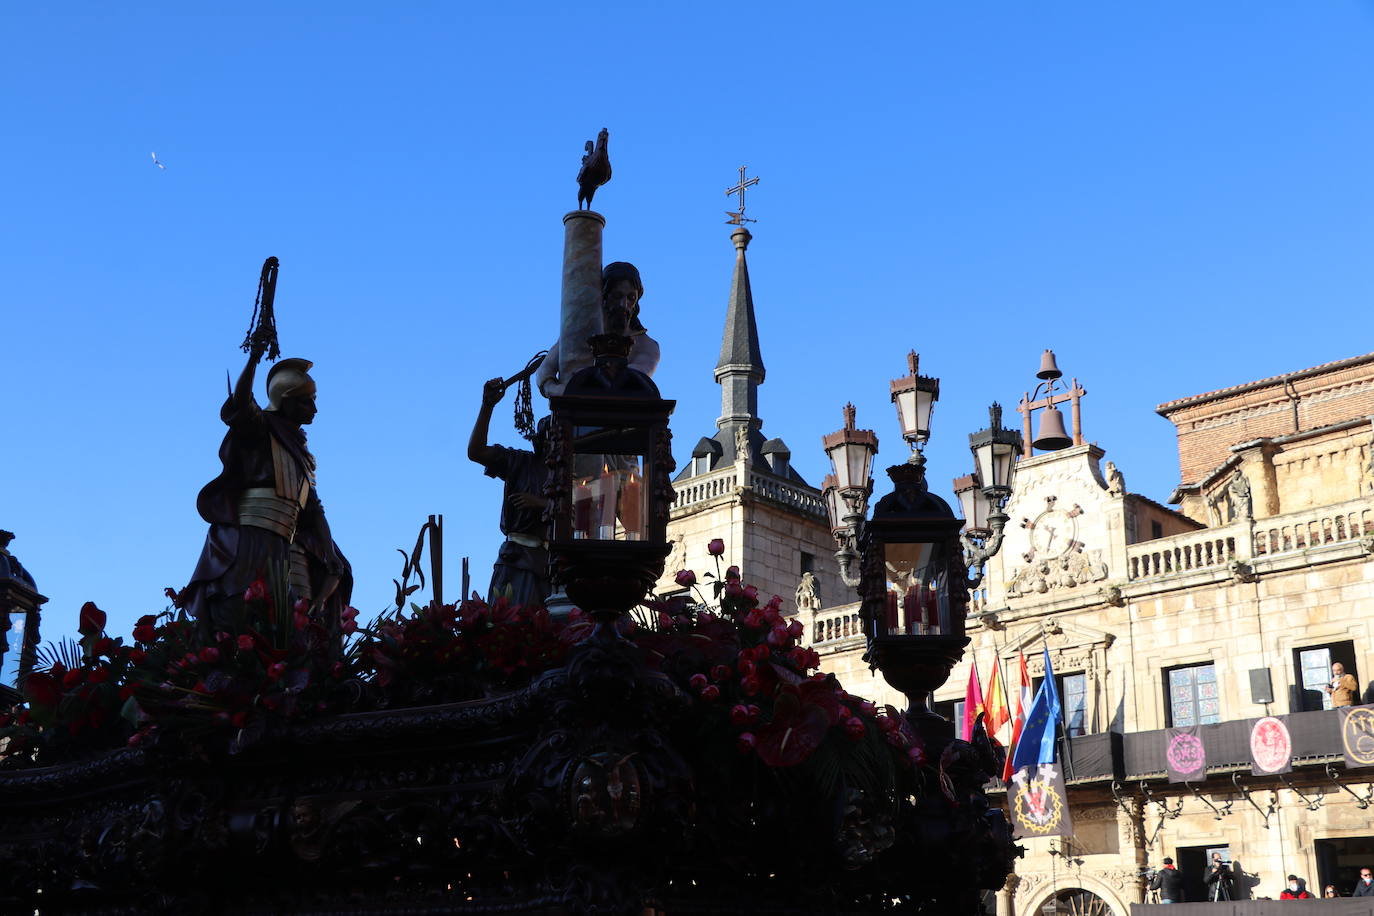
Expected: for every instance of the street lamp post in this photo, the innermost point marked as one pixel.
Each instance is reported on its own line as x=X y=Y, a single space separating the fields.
x=984 y=493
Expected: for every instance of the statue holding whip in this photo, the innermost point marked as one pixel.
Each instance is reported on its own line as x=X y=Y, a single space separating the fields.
x=265 y=516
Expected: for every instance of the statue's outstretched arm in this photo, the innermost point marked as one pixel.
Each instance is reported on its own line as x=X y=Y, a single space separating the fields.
x=478 y=449
x=242 y=396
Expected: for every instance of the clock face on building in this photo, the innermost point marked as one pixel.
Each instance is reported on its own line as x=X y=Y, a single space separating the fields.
x=1054 y=532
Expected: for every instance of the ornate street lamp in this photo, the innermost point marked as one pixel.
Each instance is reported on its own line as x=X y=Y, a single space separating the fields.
x=847 y=490
x=609 y=485
x=915 y=397
x=912 y=580
x=994 y=455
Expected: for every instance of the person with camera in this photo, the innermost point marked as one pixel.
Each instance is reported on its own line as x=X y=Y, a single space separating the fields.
x=1169 y=882
x=1218 y=879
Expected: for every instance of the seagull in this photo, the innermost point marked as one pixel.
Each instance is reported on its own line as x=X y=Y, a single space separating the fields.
x=156 y=163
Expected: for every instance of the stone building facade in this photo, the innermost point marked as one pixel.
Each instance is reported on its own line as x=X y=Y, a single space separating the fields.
x=1230 y=608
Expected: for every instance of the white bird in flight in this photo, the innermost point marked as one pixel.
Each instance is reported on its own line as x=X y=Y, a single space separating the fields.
x=156 y=163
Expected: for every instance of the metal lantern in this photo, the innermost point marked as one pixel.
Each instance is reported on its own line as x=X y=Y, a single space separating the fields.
x=915 y=397
x=851 y=454
x=834 y=505
x=609 y=487
x=969 y=489
x=994 y=454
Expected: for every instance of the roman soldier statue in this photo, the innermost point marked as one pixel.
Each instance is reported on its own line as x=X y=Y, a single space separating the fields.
x=266 y=520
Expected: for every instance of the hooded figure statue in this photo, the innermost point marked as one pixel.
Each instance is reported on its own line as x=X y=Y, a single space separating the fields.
x=265 y=516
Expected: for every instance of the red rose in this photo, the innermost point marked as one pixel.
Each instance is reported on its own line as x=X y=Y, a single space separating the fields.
x=92 y=619
x=172 y=596
x=301 y=606
x=72 y=678
x=246 y=643
x=348 y=620
x=209 y=655
x=276 y=670
x=685 y=578
x=751 y=592
x=753 y=619
x=145 y=634
x=745 y=743
x=239 y=720
x=100 y=675
x=746 y=666
x=300 y=620
x=41 y=688
x=720 y=673
x=716 y=548
x=777 y=637
x=256 y=592
x=137 y=656
x=697 y=681
x=750 y=685
x=732 y=573
x=795 y=629
x=854 y=728
x=739 y=715
x=710 y=693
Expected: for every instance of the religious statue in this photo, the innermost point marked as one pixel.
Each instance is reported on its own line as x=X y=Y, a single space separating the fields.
x=265 y=517
x=1238 y=496
x=521 y=571
x=1116 y=481
x=808 y=595
x=621 y=291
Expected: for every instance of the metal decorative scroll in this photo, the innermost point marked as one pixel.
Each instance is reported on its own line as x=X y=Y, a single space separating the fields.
x=1271 y=746
x=1357 y=736
x=1185 y=756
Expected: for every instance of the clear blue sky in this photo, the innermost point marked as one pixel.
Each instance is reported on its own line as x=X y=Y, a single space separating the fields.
x=1175 y=196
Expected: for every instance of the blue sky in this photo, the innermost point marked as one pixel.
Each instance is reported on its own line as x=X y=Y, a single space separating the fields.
x=1175 y=196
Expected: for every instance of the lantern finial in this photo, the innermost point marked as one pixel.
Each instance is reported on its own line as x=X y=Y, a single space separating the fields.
x=849 y=416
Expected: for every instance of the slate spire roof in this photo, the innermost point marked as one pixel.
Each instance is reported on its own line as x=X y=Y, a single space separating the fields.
x=740 y=368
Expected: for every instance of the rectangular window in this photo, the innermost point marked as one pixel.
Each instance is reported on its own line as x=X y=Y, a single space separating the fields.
x=808 y=562
x=1312 y=673
x=1156 y=530
x=1073 y=701
x=1073 y=693
x=1192 y=696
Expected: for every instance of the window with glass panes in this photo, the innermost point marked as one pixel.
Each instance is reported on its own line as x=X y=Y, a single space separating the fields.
x=1193 y=698
x=1073 y=695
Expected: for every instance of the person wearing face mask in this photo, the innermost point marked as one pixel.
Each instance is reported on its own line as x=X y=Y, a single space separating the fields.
x=1365 y=886
x=1295 y=890
x=1329 y=891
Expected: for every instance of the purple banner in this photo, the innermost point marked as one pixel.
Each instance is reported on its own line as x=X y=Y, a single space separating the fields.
x=1185 y=758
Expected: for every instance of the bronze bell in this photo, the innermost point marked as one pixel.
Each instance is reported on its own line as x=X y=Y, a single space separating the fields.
x=1051 y=437
x=1049 y=371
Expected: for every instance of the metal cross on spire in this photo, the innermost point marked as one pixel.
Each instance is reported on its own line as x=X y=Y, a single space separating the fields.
x=738 y=218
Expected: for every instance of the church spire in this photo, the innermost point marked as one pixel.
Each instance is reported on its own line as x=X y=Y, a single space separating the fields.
x=740 y=368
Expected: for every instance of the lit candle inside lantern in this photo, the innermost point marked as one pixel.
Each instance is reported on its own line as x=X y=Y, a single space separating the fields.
x=610 y=485
x=582 y=510
x=932 y=608
x=910 y=620
x=890 y=616
x=632 y=508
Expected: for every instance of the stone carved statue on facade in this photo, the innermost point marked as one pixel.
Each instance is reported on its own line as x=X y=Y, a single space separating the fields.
x=1367 y=471
x=1073 y=569
x=808 y=593
x=265 y=517
x=1238 y=496
x=1116 y=481
x=742 y=443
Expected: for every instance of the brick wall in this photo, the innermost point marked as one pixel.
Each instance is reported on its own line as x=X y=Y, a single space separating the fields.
x=1208 y=425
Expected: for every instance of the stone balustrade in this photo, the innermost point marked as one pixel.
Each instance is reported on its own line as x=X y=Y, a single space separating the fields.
x=1195 y=550
x=1216 y=548
x=705 y=488
x=1313 y=528
x=838 y=626
x=782 y=491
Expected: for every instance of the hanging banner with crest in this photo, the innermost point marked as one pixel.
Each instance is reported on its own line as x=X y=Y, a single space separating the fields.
x=1357 y=736
x=1185 y=757
x=1271 y=746
x=1039 y=803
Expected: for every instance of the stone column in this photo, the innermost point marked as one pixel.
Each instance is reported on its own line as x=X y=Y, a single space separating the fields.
x=579 y=315
x=1006 y=897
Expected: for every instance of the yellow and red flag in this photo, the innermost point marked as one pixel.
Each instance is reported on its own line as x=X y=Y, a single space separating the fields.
x=995 y=700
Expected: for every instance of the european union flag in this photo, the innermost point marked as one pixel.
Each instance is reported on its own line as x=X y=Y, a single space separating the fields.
x=1038 y=742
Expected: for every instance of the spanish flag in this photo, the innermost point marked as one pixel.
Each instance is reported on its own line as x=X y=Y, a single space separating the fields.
x=996 y=699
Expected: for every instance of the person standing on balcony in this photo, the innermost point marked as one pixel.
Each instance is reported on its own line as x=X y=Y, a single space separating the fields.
x=1365 y=886
x=1343 y=687
x=1169 y=882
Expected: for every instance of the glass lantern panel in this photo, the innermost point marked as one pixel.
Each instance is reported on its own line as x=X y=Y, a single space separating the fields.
x=1004 y=460
x=916 y=600
x=13 y=648
x=610 y=499
x=907 y=413
x=974 y=507
x=859 y=460
x=925 y=404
